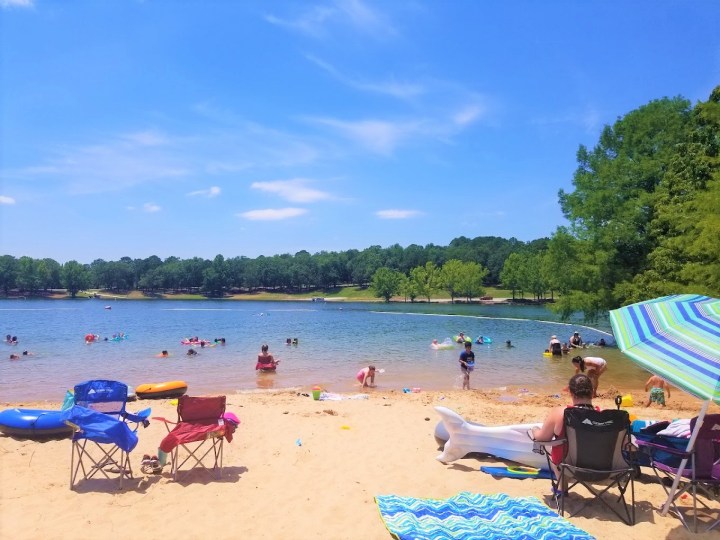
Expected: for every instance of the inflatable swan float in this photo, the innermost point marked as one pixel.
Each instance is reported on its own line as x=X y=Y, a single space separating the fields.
x=505 y=442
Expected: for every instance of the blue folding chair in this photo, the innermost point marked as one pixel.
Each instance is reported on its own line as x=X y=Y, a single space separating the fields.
x=104 y=432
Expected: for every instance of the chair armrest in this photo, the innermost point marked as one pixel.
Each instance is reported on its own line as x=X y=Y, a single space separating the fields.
x=539 y=446
x=140 y=418
x=164 y=421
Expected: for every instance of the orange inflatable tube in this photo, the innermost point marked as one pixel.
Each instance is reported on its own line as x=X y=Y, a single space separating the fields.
x=161 y=390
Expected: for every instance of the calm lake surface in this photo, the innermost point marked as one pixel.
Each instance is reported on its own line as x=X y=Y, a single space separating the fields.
x=335 y=340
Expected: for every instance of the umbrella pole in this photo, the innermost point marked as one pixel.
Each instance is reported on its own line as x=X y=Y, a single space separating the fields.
x=691 y=444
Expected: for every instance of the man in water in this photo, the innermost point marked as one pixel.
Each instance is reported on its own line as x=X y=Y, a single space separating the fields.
x=575 y=341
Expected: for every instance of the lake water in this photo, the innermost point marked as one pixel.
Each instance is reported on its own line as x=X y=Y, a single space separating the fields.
x=335 y=340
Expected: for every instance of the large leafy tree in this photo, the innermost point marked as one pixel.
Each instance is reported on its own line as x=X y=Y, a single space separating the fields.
x=8 y=273
x=614 y=201
x=75 y=277
x=386 y=283
x=426 y=279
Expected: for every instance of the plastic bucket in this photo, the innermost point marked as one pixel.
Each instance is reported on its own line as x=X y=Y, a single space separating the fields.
x=316 y=393
x=626 y=401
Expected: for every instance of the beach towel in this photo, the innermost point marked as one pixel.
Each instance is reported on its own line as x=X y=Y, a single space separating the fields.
x=329 y=396
x=469 y=516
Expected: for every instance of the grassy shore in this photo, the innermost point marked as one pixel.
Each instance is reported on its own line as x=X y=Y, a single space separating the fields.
x=339 y=294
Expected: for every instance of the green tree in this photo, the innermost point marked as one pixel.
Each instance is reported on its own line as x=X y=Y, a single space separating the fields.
x=614 y=200
x=426 y=279
x=386 y=283
x=451 y=277
x=75 y=277
x=8 y=273
x=470 y=284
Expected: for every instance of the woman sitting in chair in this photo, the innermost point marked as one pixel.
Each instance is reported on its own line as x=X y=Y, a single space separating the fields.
x=265 y=360
x=581 y=392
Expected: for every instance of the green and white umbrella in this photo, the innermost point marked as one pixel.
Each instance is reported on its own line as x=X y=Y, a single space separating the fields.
x=678 y=338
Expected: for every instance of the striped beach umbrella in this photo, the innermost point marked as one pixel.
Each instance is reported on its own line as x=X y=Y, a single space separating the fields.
x=676 y=337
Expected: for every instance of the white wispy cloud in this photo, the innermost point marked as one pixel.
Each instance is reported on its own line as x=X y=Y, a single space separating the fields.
x=468 y=114
x=146 y=138
x=7 y=4
x=293 y=190
x=310 y=22
x=393 y=88
x=272 y=214
x=4 y=199
x=151 y=208
x=122 y=161
x=212 y=191
x=590 y=120
x=322 y=20
x=397 y=214
x=378 y=136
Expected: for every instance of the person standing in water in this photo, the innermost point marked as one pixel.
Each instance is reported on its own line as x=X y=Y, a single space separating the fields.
x=555 y=347
x=467 y=364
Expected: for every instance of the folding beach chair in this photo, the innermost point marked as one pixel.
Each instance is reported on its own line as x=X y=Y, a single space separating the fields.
x=700 y=479
x=104 y=432
x=595 y=456
x=200 y=430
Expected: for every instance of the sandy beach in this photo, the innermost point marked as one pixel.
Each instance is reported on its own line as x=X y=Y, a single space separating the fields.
x=299 y=468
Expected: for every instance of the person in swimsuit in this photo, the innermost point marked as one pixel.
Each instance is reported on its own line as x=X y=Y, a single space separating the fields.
x=265 y=360
x=595 y=367
x=467 y=364
x=366 y=377
x=657 y=386
x=581 y=393
x=576 y=341
x=555 y=347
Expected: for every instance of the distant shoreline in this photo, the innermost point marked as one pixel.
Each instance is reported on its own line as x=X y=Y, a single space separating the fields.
x=263 y=297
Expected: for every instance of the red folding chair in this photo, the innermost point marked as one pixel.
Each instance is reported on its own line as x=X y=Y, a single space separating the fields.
x=200 y=430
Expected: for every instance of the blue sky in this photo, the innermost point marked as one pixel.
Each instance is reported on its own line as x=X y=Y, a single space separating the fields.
x=192 y=128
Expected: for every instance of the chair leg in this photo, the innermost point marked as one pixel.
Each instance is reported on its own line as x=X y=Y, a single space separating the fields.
x=216 y=447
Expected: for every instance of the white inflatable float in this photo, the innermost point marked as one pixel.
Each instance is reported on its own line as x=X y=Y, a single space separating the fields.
x=505 y=442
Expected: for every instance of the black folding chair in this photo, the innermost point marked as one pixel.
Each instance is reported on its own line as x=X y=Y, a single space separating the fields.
x=595 y=450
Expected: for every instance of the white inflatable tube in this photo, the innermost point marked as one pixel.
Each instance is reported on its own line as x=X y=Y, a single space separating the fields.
x=504 y=442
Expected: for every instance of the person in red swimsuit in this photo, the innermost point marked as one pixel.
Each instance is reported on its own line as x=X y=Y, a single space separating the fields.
x=265 y=360
x=581 y=392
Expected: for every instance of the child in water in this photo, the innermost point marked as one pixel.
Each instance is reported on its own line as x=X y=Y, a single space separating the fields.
x=467 y=364
x=365 y=375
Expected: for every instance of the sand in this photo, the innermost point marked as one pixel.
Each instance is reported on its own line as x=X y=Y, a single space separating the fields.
x=301 y=469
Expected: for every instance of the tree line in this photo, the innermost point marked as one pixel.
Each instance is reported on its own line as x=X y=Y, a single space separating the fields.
x=643 y=221
x=293 y=273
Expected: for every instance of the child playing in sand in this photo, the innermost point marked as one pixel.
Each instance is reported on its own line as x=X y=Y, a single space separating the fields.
x=657 y=386
x=365 y=375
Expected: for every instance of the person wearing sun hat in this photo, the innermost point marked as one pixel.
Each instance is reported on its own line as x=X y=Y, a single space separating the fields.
x=555 y=346
x=576 y=341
